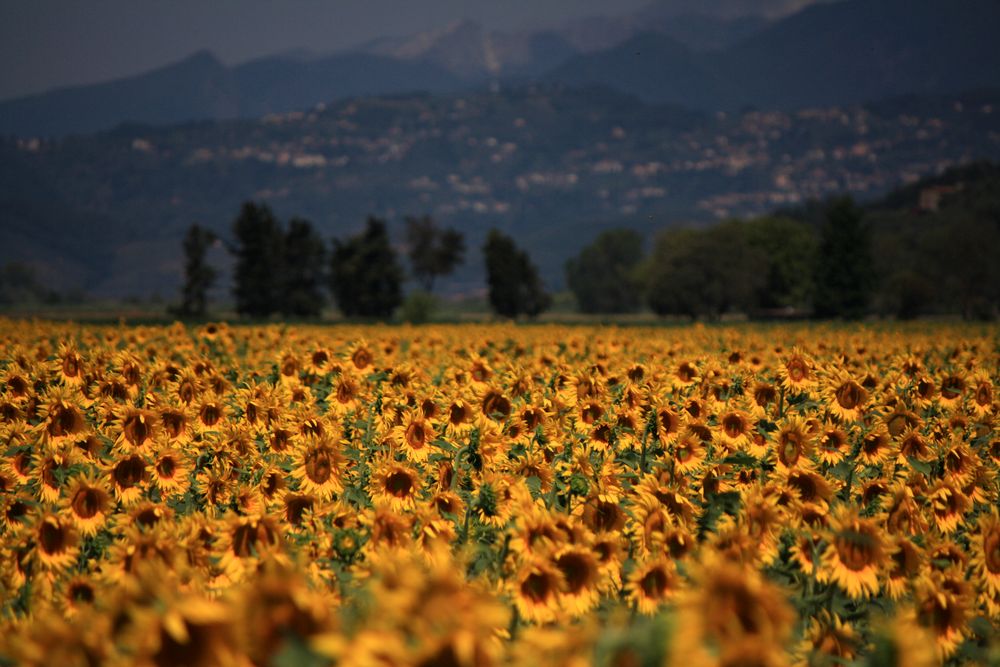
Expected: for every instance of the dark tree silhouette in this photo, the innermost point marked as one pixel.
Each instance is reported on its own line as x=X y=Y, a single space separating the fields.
x=432 y=251
x=514 y=285
x=258 y=269
x=603 y=276
x=198 y=275
x=365 y=275
x=704 y=273
x=844 y=275
x=304 y=263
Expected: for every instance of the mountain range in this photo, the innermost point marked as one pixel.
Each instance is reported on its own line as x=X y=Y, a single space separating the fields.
x=840 y=53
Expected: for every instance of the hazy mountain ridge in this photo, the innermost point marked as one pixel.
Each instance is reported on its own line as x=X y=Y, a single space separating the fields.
x=826 y=54
x=550 y=164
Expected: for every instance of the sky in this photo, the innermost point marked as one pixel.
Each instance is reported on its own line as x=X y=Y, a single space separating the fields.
x=51 y=43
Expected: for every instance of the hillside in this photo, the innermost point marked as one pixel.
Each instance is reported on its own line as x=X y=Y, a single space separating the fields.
x=551 y=165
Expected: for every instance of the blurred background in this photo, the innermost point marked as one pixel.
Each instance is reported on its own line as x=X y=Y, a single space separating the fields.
x=448 y=160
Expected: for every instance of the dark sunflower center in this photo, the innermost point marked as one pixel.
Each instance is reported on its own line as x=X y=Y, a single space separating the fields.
x=849 y=395
x=128 y=472
x=319 y=467
x=733 y=426
x=991 y=549
x=537 y=587
x=654 y=583
x=577 y=571
x=399 y=484
x=86 y=503
x=856 y=549
x=52 y=537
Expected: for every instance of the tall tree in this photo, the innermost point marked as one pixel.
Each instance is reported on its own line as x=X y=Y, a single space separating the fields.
x=258 y=270
x=603 y=276
x=844 y=276
x=790 y=248
x=304 y=262
x=514 y=285
x=365 y=275
x=198 y=275
x=432 y=251
x=704 y=273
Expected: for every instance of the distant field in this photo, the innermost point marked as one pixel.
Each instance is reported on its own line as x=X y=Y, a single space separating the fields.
x=496 y=494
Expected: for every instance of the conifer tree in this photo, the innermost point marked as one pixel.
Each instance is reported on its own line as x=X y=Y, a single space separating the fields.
x=198 y=275
x=844 y=276
x=258 y=270
x=304 y=263
x=365 y=275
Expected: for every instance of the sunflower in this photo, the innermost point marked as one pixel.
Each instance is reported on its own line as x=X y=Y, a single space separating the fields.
x=62 y=421
x=581 y=575
x=135 y=428
x=734 y=429
x=176 y=424
x=652 y=584
x=319 y=362
x=535 y=589
x=55 y=542
x=907 y=562
x=690 y=453
x=948 y=505
x=832 y=444
x=953 y=388
x=986 y=552
x=793 y=445
x=318 y=467
x=876 y=447
x=247 y=537
x=943 y=604
x=763 y=397
x=344 y=395
x=77 y=595
x=171 y=471
x=87 y=503
x=797 y=373
x=396 y=485
x=855 y=554
x=845 y=397
x=982 y=399
x=129 y=476
x=69 y=365
x=668 y=425
x=831 y=640
x=459 y=418
x=730 y=602
x=212 y=414
x=50 y=471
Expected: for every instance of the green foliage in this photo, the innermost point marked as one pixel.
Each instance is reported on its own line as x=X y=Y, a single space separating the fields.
x=303 y=264
x=198 y=275
x=514 y=285
x=418 y=307
x=258 y=250
x=790 y=248
x=705 y=273
x=432 y=251
x=603 y=276
x=844 y=277
x=365 y=275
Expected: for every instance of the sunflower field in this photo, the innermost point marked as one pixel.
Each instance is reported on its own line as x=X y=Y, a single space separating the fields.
x=478 y=495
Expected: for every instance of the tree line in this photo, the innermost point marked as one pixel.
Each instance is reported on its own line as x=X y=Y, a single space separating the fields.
x=902 y=257
x=832 y=259
x=290 y=270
